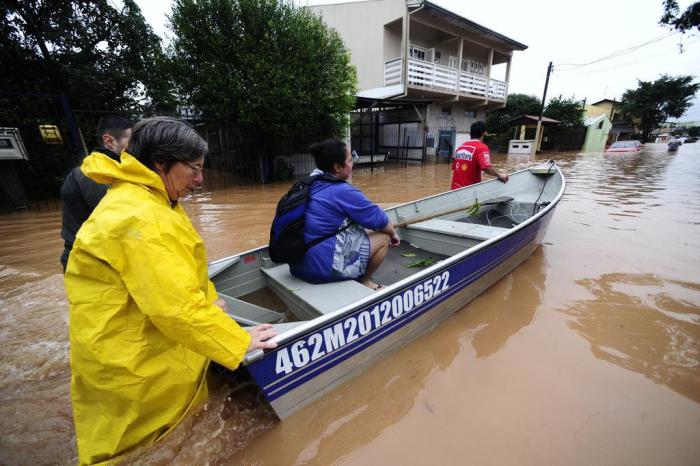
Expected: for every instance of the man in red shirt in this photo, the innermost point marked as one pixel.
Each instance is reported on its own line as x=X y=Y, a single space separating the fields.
x=471 y=158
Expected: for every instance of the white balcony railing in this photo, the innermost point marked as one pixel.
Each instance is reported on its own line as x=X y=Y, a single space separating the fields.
x=392 y=72
x=443 y=78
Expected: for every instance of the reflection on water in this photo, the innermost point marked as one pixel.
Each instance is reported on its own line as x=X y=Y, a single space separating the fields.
x=355 y=414
x=645 y=324
x=514 y=306
x=587 y=353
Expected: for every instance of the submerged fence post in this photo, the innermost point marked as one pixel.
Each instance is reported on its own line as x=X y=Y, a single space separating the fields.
x=76 y=140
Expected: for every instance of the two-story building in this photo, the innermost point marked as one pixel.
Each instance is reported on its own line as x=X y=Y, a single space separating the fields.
x=449 y=69
x=622 y=128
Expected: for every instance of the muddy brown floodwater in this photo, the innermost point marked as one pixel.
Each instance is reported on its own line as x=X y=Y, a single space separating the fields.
x=587 y=353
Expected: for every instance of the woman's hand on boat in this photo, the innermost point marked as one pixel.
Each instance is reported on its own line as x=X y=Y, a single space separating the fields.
x=259 y=336
x=222 y=304
x=394 y=239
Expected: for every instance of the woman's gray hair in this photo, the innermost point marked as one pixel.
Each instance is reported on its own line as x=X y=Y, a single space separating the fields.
x=165 y=140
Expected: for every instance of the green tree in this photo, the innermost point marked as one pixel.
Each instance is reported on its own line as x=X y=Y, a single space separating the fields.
x=96 y=57
x=517 y=105
x=100 y=57
x=267 y=68
x=569 y=112
x=652 y=103
x=688 y=20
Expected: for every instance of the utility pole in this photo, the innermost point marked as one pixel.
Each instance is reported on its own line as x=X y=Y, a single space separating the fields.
x=539 y=121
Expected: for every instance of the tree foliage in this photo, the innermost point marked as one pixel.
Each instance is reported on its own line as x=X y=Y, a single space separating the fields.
x=654 y=102
x=84 y=52
x=682 y=22
x=269 y=69
x=100 y=57
x=569 y=112
x=517 y=105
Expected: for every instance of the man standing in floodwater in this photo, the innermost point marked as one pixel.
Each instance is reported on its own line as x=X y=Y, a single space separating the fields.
x=79 y=194
x=471 y=158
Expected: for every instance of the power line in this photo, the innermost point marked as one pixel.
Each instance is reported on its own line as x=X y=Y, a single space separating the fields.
x=616 y=54
x=565 y=72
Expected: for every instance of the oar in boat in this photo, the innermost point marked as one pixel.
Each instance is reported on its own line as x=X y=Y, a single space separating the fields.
x=492 y=201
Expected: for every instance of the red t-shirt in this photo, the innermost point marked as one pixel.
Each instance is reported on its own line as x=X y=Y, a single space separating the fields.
x=470 y=159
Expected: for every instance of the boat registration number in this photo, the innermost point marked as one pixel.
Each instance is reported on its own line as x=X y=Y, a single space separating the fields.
x=357 y=326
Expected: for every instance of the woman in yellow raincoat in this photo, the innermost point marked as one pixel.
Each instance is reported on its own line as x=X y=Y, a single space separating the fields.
x=144 y=317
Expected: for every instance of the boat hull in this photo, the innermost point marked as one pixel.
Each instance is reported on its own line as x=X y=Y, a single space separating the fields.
x=308 y=366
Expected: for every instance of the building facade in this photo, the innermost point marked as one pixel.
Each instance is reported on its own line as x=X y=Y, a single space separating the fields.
x=451 y=69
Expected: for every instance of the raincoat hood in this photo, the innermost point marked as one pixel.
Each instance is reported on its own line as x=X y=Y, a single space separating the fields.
x=105 y=170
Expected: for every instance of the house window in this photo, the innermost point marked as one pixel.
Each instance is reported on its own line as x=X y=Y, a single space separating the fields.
x=472 y=66
x=470 y=114
x=447 y=110
x=416 y=51
x=600 y=125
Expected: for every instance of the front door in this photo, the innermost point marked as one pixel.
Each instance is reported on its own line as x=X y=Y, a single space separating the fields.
x=452 y=62
x=446 y=143
x=417 y=52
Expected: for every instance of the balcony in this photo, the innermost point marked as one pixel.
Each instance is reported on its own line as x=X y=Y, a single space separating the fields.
x=427 y=75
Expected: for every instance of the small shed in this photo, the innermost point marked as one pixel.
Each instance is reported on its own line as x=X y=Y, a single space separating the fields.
x=597 y=131
x=527 y=124
x=664 y=137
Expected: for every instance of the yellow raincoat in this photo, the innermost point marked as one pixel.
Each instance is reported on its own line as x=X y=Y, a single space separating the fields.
x=142 y=324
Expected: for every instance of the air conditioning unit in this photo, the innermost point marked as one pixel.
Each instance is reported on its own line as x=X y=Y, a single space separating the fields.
x=11 y=145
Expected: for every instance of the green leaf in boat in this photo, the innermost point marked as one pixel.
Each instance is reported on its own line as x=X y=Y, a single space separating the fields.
x=422 y=263
x=474 y=208
x=407 y=254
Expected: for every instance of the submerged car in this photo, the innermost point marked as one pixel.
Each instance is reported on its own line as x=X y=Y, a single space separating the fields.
x=674 y=145
x=624 y=146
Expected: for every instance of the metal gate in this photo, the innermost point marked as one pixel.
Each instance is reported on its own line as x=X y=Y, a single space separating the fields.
x=50 y=134
x=388 y=131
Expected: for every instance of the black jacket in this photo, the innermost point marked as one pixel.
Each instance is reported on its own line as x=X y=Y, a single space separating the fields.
x=80 y=196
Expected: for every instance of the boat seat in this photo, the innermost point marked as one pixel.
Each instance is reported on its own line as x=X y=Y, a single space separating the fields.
x=247 y=314
x=308 y=300
x=461 y=229
x=283 y=327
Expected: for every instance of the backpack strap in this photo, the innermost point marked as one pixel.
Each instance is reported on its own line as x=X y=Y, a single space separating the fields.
x=309 y=180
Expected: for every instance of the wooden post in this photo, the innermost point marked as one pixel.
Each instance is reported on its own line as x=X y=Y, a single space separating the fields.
x=459 y=64
x=538 y=132
x=488 y=75
x=510 y=57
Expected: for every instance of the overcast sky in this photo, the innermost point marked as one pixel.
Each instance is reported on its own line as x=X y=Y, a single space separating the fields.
x=568 y=33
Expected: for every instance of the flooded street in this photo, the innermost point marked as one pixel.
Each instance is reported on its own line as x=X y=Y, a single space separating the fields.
x=587 y=353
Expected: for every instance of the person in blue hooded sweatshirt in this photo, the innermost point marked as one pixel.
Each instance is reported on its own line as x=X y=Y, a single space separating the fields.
x=364 y=230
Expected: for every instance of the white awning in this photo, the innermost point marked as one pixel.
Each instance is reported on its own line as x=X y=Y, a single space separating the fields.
x=382 y=92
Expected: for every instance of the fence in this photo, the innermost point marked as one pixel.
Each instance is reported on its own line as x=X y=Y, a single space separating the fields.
x=385 y=135
x=431 y=75
x=392 y=135
x=51 y=154
x=563 y=139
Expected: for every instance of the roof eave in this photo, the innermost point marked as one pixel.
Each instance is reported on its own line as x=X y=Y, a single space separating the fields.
x=424 y=3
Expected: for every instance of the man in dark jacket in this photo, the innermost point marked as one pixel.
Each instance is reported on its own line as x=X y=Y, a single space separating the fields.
x=80 y=194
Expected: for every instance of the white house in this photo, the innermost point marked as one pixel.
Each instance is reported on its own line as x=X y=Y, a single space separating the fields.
x=447 y=66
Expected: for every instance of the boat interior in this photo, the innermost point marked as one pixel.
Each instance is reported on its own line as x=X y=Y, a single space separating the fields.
x=258 y=290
